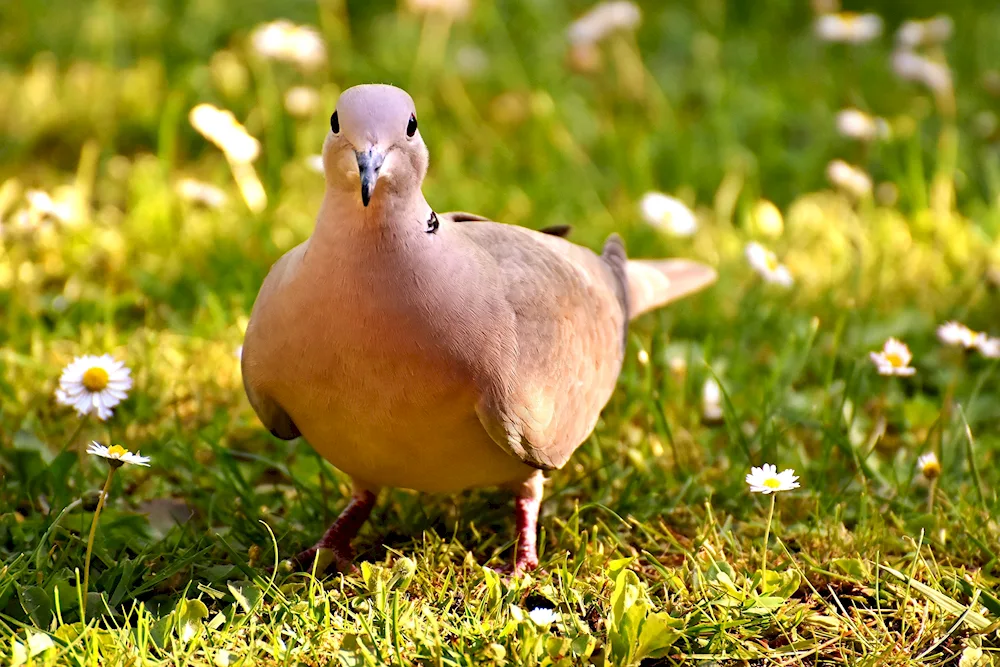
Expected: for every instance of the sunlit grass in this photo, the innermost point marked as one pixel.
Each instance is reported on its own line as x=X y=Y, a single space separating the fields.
x=124 y=232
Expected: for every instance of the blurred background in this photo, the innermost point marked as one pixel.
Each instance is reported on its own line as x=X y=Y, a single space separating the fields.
x=530 y=119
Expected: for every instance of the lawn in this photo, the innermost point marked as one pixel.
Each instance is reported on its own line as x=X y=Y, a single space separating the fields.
x=125 y=231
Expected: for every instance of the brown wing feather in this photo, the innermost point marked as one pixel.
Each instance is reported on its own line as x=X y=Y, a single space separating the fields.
x=462 y=216
x=569 y=317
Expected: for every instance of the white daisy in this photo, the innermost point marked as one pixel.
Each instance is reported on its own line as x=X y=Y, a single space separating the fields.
x=283 y=40
x=117 y=455
x=766 y=263
x=42 y=204
x=849 y=178
x=602 y=20
x=912 y=34
x=849 y=27
x=711 y=401
x=94 y=384
x=767 y=479
x=929 y=466
x=956 y=333
x=915 y=67
x=543 y=617
x=989 y=347
x=894 y=359
x=199 y=192
x=856 y=124
x=668 y=213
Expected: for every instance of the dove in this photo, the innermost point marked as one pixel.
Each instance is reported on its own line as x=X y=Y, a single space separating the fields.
x=431 y=351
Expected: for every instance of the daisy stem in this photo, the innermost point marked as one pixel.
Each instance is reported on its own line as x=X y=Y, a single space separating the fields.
x=767 y=536
x=930 y=496
x=90 y=541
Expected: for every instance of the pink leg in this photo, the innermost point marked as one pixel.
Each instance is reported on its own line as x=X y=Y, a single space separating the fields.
x=338 y=536
x=526 y=506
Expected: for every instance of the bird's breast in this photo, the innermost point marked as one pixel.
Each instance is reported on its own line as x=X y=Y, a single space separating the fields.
x=383 y=377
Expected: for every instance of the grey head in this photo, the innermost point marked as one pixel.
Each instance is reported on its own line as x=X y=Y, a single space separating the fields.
x=374 y=151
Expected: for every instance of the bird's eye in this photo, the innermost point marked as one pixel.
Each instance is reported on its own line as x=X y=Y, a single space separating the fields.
x=411 y=127
x=335 y=123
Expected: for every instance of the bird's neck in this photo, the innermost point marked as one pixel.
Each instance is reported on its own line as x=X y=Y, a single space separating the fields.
x=387 y=218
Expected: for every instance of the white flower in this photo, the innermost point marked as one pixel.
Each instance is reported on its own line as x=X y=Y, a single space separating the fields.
x=222 y=129
x=848 y=27
x=849 y=178
x=94 y=384
x=37 y=643
x=302 y=101
x=117 y=455
x=602 y=20
x=285 y=41
x=766 y=263
x=929 y=466
x=894 y=359
x=198 y=192
x=856 y=124
x=768 y=480
x=543 y=617
x=914 y=67
x=989 y=347
x=42 y=204
x=956 y=333
x=711 y=401
x=912 y=34
x=668 y=213
x=454 y=9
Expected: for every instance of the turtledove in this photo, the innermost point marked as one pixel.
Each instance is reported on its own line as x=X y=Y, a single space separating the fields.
x=437 y=351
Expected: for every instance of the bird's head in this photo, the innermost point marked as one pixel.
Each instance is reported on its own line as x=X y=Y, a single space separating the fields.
x=373 y=150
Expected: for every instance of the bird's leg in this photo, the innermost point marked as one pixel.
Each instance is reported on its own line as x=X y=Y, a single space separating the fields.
x=526 y=505
x=338 y=536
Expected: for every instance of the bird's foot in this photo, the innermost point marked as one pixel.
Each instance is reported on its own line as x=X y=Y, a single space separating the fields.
x=320 y=556
x=521 y=565
x=335 y=545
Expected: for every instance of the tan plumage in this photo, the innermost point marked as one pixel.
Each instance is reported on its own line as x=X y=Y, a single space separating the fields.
x=438 y=352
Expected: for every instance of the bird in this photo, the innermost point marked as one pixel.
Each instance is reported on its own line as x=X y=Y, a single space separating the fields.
x=437 y=352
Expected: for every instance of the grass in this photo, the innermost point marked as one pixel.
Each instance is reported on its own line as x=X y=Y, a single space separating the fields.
x=650 y=543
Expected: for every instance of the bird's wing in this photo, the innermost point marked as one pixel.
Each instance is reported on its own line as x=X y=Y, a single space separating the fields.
x=570 y=313
x=265 y=316
x=463 y=216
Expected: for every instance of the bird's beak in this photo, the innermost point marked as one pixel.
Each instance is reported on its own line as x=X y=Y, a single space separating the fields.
x=369 y=162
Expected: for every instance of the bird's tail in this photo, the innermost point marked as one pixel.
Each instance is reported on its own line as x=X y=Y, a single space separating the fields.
x=653 y=283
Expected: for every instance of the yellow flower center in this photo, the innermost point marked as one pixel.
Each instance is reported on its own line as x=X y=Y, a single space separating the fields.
x=117 y=450
x=771 y=262
x=894 y=360
x=95 y=379
x=849 y=18
x=772 y=483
